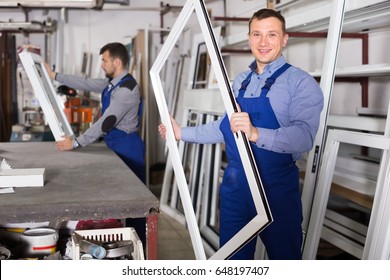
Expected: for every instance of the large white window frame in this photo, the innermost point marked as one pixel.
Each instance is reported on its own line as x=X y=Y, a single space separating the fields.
x=326 y=84
x=49 y=101
x=263 y=217
x=200 y=106
x=377 y=242
x=197 y=45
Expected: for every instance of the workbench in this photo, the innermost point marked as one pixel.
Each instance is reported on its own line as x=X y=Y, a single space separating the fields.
x=89 y=183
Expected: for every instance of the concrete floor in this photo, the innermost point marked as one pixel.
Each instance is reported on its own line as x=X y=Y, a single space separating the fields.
x=174 y=241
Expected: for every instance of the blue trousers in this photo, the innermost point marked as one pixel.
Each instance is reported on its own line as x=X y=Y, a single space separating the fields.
x=130 y=148
x=283 y=237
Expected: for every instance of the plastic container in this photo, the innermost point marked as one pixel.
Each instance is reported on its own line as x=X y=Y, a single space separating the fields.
x=108 y=235
x=30 y=243
x=40 y=241
x=96 y=251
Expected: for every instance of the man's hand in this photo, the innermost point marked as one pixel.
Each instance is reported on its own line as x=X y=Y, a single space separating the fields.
x=176 y=129
x=51 y=73
x=240 y=121
x=66 y=144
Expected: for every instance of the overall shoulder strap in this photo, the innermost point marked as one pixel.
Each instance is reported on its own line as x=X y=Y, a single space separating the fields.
x=271 y=80
x=245 y=82
x=127 y=81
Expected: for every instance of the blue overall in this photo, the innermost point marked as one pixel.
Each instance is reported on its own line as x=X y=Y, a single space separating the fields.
x=280 y=178
x=128 y=146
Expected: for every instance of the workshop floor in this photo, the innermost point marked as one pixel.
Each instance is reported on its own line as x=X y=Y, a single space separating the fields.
x=174 y=241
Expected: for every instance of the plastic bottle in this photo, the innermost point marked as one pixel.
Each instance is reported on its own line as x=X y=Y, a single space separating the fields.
x=94 y=250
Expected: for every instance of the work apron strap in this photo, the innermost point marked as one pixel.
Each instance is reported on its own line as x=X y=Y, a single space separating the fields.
x=271 y=80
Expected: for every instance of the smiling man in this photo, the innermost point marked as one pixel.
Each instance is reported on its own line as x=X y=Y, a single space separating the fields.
x=280 y=112
x=121 y=107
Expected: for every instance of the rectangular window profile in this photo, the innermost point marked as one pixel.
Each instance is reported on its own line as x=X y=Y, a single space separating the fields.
x=263 y=217
x=377 y=240
x=49 y=101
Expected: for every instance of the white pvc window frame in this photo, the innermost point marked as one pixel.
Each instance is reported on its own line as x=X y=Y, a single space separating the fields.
x=326 y=84
x=198 y=41
x=49 y=101
x=263 y=217
x=206 y=104
x=377 y=243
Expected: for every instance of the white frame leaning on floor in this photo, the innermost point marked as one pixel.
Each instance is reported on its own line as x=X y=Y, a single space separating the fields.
x=49 y=101
x=263 y=217
x=377 y=239
x=326 y=84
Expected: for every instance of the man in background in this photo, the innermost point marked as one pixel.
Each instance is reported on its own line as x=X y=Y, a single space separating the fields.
x=121 y=109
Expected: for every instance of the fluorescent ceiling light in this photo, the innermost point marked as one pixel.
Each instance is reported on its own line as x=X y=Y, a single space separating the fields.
x=54 y=3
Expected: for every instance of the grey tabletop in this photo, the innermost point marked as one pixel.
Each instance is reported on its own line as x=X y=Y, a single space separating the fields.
x=86 y=183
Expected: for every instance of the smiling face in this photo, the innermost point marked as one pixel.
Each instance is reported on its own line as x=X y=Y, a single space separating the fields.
x=266 y=40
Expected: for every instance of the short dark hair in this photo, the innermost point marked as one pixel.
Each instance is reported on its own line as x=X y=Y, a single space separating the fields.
x=267 y=13
x=117 y=50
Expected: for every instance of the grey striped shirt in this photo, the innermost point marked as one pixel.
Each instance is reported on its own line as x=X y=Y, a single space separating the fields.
x=124 y=104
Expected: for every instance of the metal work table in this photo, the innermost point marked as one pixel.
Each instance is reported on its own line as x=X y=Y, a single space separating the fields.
x=87 y=183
